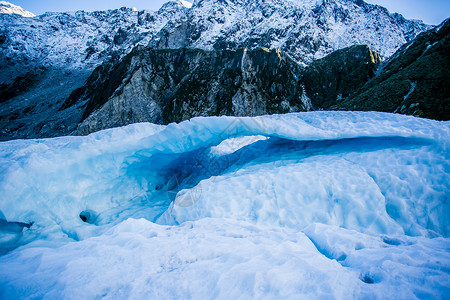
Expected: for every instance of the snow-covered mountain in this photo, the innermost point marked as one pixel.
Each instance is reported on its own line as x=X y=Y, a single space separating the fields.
x=163 y=86
x=46 y=57
x=79 y=39
x=8 y=8
x=64 y=48
x=305 y=29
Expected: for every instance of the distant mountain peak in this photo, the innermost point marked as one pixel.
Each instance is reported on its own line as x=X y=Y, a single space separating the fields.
x=9 y=8
x=186 y=4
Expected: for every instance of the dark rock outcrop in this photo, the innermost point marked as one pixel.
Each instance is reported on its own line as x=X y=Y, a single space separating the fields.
x=414 y=81
x=333 y=78
x=163 y=86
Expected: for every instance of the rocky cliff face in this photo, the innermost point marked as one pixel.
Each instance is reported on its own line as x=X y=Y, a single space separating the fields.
x=414 y=81
x=163 y=86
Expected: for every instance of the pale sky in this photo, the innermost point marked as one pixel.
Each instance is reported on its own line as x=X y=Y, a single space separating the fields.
x=430 y=11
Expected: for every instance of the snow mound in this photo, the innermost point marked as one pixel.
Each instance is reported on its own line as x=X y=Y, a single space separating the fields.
x=318 y=204
x=8 y=8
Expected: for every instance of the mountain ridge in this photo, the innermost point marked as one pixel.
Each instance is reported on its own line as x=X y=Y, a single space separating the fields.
x=300 y=29
x=306 y=30
x=66 y=48
x=172 y=85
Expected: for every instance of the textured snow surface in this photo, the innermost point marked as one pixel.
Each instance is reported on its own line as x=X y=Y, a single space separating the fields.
x=308 y=205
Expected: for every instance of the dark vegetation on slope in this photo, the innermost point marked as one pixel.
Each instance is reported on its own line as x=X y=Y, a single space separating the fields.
x=20 y=84
x=333 y=78
x=414 y=81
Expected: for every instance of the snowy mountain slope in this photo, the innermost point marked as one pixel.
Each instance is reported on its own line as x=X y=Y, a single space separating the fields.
x=43 y=59
x=77 y=39
x=339 y=204
x=8 y=8
x=303 y=29
x=306 y=30
x=186 y=4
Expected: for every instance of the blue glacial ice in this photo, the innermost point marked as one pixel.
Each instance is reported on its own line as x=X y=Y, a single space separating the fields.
x=306 y=205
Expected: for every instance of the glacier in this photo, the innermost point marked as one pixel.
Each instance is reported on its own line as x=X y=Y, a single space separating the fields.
x=306 y=205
